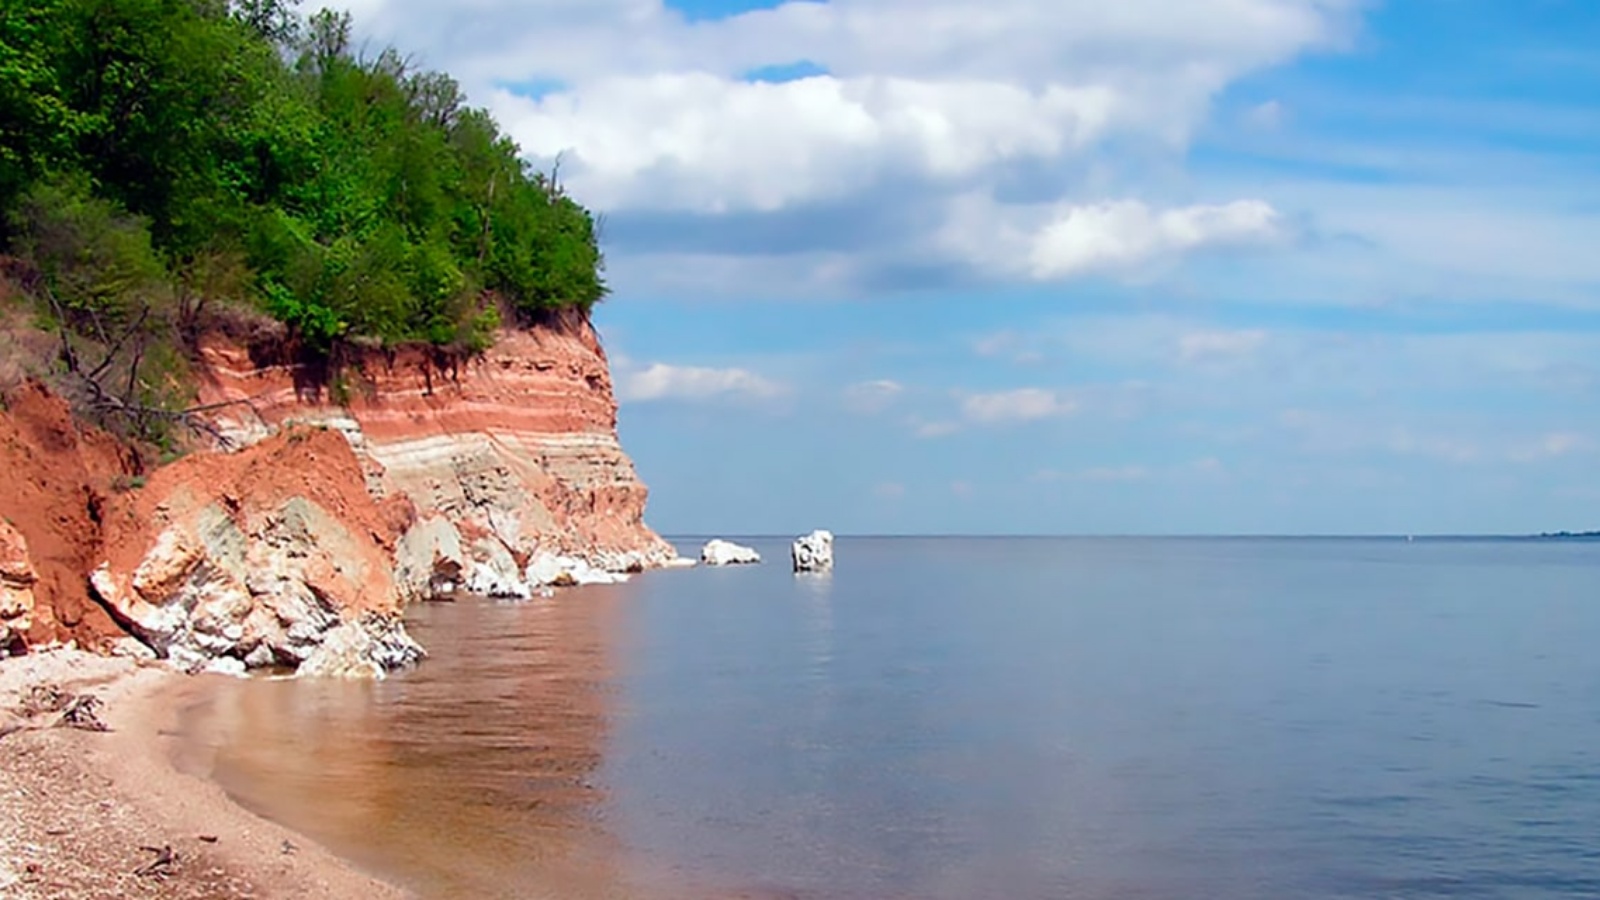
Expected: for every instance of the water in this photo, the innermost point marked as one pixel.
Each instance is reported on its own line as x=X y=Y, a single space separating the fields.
x=974 y=718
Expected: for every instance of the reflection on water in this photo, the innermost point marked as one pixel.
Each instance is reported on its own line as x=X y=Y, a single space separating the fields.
x=954 y=719
x=471 y=776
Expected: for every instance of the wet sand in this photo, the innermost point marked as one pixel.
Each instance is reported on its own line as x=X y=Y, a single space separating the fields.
x=471 y=776
x=78 y=808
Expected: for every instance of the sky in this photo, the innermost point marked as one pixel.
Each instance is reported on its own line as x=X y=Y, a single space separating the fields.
x=1076 y=267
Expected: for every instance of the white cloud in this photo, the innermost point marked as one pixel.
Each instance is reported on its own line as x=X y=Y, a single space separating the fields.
x=914 y=103
x=870 y=397
x=1020 y=405
x=661 y=381
x=699 y=142
x=1126 y=233
x=1064 y=240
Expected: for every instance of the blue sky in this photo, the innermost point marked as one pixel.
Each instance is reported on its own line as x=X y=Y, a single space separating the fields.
x=1229 y=266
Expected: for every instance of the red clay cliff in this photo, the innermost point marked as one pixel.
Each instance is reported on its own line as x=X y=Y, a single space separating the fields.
x=325 y=502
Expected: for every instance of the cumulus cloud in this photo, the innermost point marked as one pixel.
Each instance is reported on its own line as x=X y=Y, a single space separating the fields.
x=902 y=104
x=661 y=381
x=699 y=142
x=1064 y=240
x=1114 y=235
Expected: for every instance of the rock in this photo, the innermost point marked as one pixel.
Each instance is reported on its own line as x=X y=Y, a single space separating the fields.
x=369 y=647
x=517 y=445
x=813 y=552
x=567 y=571
x=429 y=560
x=727 y=553
x=17 y=579
x=226 y=665
x=260 y=556
x=495 y=572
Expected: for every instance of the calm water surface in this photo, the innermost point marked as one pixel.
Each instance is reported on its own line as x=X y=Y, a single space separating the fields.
x=969 y=719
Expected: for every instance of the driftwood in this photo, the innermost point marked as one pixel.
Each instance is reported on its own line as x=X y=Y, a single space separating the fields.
x=162 y=867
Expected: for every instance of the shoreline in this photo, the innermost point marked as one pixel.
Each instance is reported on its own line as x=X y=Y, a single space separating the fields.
x=77 y=808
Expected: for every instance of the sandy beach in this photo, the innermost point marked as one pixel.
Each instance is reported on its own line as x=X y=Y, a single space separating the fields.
x=87 y=813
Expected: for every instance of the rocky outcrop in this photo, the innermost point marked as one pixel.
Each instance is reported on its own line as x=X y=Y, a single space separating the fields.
x=726 y=553
x=260 y=559
x=17 y=579
x=509 y=458
x=813 y=552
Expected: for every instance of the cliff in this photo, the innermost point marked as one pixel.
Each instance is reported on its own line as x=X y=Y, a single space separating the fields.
x=274 y=556
x=510 y=458
x=328 y=500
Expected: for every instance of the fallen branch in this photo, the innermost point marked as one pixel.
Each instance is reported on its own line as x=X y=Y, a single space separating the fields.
x=162 y=866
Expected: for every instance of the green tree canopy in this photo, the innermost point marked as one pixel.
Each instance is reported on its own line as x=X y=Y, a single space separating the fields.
x=363 y=197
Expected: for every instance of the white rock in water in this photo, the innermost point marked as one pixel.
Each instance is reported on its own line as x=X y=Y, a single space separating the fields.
x=727 y=553
x=567 y=571
x=813 y=553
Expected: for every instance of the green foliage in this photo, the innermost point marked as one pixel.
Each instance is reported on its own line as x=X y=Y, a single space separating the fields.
x=97 y=260
x=152 y=149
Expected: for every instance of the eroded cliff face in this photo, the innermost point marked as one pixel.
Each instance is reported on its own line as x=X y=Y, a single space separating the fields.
x=327 y=504
x=56 y=478
x=510 y=459
x=274 y=556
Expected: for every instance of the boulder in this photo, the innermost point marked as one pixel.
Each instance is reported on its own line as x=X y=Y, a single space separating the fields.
x=813 y=552
x=17 y=579
x=727 y=553
x=550 y=570
x=368 y=647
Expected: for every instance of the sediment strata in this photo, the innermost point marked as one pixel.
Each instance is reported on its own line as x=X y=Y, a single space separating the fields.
x=510 y=458
x=330 y=500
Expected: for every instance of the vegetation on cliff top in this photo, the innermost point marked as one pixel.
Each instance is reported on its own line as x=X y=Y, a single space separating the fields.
x=162 y=160
x=156 y=155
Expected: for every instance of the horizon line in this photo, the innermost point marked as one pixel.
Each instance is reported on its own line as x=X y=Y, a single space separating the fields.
x=1397 y=536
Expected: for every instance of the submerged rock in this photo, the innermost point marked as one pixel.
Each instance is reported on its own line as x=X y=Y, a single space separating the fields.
x=369 y=647
x=727 y=553
x=813 y=552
